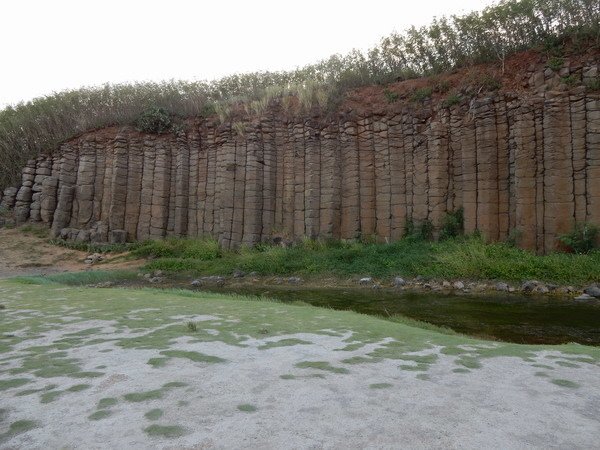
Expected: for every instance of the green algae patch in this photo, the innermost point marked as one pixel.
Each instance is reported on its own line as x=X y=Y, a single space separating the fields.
x=246 y=407
x=158 y=362
x=78 y=387
x=99 y=415
x=321 y=365
x=13 y=383
x=51 y=396
x=287 y=376
x=283 y=343
x=193 y=356
x=154 y=414
x=145 y=396
x=165 y=431
x=107 y=402
x=18 y=427
x=174 y=384
x=380 y=386
x=564 y=383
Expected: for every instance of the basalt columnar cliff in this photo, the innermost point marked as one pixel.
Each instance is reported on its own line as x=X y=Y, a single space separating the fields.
x=524 y=161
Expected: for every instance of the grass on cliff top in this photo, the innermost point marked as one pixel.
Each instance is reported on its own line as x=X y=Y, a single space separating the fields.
x=465 y=257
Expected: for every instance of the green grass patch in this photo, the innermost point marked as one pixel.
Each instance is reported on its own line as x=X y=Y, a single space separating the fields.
x=193 y=356
x=158 y=362
x=99 y=415
x=144 y=396
x=454 y=258
x=51 y=396
x=154 y=414
x=18 y=427
x=321 y=365
x=380 y=386
x=12 y=383
x=246 y=407
x=107 y=402
x=78 y=387
x=283 y=343
x=565 y=383
x=165 y=431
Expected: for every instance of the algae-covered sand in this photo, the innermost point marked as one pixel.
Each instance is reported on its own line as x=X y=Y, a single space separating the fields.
x=116 y=368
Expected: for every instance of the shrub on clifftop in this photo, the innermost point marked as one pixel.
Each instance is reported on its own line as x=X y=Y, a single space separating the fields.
x=154 y=120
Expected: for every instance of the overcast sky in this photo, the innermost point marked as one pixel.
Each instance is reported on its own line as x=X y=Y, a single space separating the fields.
x=52 y=45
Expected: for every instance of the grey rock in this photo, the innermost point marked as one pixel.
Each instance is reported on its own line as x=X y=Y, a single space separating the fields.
x=365 y=280
x=458 y=285
x=399 y=282
x=529 y=285
x=155 y=280
x=117 y=236
x=541 y=289
x=294 y=280
x=83 y=236
x=502 y=287
x=593 y=291
x=196 y=283
x=583 y=297
x=239 y=273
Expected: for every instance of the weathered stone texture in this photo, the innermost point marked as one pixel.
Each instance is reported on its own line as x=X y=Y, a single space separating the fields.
x=525 y=166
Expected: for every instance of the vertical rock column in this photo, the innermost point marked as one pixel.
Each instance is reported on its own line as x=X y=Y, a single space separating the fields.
x=312 y=187
x=253 y=188
x=182 y=174
x=593 y=159
x=438 y=171
x=397 y=177
x=331 y=184
x=135 y=172
x=486 y=141
x=350 y=210
x=84 y=192
x=559 y=210
x=383 y=189
x=366 y=161
x=116 y=218
x=525 y=172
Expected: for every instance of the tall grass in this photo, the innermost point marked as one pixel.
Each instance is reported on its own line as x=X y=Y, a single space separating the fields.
x=28 y=128
x=459 y=257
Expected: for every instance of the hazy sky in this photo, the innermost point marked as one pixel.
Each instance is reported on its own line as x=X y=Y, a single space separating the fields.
x=52 y=45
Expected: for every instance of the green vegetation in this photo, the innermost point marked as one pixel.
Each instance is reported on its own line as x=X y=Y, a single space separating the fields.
x=445 y=44
x=455 y=257
x=555 y=63
x=166 y=431
x=582 y=239
x=380 y=385
x=107 y=402
x=321 y=365
x=247 y=407
x=452 y=100
x=18 y=427
x=99 y=415
x=12 y=383
x=565 y=383
x=154 y=414
x=154 y=120
x=421 y=94
x=192 y=356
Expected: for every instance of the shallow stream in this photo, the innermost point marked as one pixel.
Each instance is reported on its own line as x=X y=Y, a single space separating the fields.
x=511 y=318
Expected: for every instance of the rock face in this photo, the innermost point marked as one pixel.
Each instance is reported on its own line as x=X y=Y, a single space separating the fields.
x=527 y=162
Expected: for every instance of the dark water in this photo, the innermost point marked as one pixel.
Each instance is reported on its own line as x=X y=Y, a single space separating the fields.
x=510 y=318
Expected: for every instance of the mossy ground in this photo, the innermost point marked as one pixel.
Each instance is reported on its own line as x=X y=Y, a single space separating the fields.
x=46 y=328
